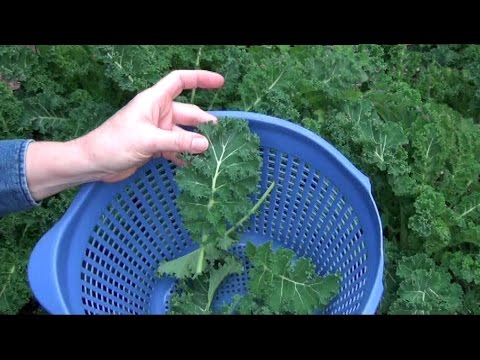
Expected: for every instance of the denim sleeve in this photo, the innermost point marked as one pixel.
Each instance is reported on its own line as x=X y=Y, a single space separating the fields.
x=14 y=193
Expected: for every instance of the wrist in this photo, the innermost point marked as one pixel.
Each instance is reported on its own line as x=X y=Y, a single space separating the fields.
x=88 y=161
x=52 y=167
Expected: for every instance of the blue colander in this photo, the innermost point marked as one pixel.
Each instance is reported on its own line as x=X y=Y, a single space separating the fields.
x=101 y=256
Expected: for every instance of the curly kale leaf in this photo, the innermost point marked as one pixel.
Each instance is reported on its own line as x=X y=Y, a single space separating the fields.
x=18 y=63
x=409 y=264
x=214 y=200
x=136 y=67
x=268 y=86
x=464 y=266
x=332 y=74
x=392 y=255
x=283 y=284
x=10 y=111
x=191 y=264
x=381 y=140
x=196 y=295
x=425 y=288
x=430 y=221
x=472 y=302
x=216 y=186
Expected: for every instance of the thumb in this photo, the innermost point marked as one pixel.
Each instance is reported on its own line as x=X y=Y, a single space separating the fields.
x=180 y=141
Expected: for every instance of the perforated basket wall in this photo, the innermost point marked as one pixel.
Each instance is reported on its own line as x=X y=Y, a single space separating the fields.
x=110 y=242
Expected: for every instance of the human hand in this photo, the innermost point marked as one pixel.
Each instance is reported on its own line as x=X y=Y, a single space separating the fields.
x=147 y=127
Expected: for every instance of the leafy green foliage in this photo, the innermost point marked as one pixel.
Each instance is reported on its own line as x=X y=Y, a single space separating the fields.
x=192 y=264
x=471 y=303
x=13 y=293
x=207 y=202
x=425 y=288
x=18 y=235
x=284 y=284
x=214 y=200
x=429 y=220
x=10 y=111
x=184 y=266
x=465 y=267
x=214 y=194
x=197 y=294
x=407 y=115
x=134 y=68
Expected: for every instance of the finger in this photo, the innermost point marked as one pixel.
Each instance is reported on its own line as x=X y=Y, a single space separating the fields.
x=177 y=81
x=179 y=140
x=177 y=161
x=188 y=114
x=172 y=156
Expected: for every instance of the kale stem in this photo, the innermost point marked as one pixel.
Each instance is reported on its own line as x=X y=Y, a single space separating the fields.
x=216 y=93
x=199 y=269
x=260 y=97
x=10 y=274
x=201 y=257
x=252 y=210
x=197 y=64
x=403 y=229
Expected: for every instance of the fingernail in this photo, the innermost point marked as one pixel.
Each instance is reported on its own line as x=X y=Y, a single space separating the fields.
x=199 y=144
x=212 y=118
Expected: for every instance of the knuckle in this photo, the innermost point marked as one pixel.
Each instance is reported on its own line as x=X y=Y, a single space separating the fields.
x=182 y=142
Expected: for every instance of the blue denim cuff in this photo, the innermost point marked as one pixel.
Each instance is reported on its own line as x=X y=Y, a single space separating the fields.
x=14 y=192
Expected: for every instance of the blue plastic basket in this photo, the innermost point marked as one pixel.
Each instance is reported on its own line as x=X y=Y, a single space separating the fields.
x=100 y=258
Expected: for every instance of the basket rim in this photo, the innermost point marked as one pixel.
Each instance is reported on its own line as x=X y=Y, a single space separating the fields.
x=291 y=126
